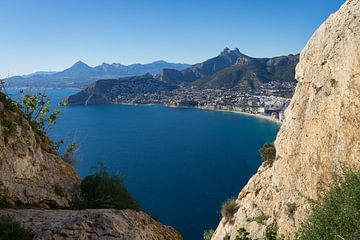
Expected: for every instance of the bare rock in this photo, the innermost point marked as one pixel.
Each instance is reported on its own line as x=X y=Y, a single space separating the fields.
x=91 y=224
x=319 y=137
x=31 y=171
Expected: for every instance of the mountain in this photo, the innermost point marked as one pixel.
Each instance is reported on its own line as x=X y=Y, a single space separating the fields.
x=319 y=138
x=109 y=91
x=251 y=73
x=80 y=74
x=225 y=59
x=230 y=70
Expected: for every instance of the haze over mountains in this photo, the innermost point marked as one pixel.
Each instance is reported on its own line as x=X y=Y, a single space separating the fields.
x=80 y=74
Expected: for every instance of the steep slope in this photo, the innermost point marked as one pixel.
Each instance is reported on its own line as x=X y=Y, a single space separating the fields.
x=225 y=59
x=320 y=134
x=91 y=224
x=30 y=168
x=250 y=73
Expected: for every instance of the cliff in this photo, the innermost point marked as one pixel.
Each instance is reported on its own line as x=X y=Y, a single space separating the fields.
x=320 y=134
x=91 y=224
x=31 y=170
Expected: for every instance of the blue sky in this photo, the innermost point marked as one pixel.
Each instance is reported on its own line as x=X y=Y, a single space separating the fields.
x=52 y=35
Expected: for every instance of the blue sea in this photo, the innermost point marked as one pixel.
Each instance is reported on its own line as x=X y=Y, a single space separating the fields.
x=180 y=164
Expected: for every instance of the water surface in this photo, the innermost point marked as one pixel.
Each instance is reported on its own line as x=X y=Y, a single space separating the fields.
x=180 y=164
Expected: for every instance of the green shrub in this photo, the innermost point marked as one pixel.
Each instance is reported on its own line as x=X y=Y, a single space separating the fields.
x=268 y=152
x=10 y=230
x=337 y=214
x=271 y=232
x=242 y=234
x=208 y=234
x=260 y=219
x=59 y=190
x=228 y=209
x=227 y=237
x=36 y=108
x=102 y=190
x=291 y=209
x=69 y=155
x=8 y=127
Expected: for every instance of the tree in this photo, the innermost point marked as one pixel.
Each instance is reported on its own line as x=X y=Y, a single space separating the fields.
x=36 y=108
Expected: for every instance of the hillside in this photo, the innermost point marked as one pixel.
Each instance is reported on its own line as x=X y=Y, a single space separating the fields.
x=250 y=73
x=319 y=137
x=110 y=91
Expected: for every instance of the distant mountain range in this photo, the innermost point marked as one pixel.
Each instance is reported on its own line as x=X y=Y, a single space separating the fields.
x=229 y=70
x=81 y=75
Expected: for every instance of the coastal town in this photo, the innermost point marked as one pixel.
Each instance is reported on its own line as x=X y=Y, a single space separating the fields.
x=267 y=105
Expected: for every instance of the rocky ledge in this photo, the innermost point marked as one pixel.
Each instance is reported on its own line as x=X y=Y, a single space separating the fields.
x=91 y=224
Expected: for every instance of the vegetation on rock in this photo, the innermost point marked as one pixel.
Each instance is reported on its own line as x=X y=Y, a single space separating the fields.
x=208 y=234
x=37 y=111
x=337 y=214
x=228 y=209
x=268 y=152
x=104 y=190
x=10 y=230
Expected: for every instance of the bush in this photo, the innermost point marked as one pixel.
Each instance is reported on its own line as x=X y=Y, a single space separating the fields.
x=268 y=152
x=228 y=209
x=36 y=108
x=242 y=234
x=59 y=190
x=260 y=219
x=69 y=155
x=102 y=190
x=291 y=209
x=271 y=232
x=208 y=234
x=10 y=230
x=337 y=214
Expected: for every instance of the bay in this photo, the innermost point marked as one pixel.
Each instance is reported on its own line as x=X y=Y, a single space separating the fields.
x=180 y=164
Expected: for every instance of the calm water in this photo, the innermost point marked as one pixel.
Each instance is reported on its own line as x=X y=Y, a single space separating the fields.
x=180 y=164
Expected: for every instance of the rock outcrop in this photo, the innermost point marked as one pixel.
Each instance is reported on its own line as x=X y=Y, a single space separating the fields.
x=319 y=137
x=31 y=171
x=91 y=224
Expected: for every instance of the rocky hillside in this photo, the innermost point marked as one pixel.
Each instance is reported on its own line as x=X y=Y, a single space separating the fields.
x=91 y=224
x=107 y=91
x=225 y=59
x=319 y=137
x=251 y=73
x=31 y=170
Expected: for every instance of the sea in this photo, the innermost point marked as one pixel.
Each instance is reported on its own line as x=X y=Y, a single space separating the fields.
x=179 y=163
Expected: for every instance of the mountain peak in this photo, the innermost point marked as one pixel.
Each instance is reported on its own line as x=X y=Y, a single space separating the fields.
x=80 y=64
x=228 y=51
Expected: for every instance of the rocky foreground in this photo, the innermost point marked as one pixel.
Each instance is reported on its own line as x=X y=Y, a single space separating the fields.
x=91 y=224
x=319 y=137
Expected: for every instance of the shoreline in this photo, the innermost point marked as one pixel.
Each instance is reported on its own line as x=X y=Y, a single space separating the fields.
x=264 y=117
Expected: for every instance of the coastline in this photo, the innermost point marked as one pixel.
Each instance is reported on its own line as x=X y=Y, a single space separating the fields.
x=268 y=118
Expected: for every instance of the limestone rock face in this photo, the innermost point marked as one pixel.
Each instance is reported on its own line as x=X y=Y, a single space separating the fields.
x=91 y=224
x=320 y=134
x=31 y=172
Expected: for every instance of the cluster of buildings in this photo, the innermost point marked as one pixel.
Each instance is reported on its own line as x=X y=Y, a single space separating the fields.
x=215 y=99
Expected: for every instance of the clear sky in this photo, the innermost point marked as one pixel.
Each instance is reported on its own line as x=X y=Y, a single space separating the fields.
x=52 y=35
